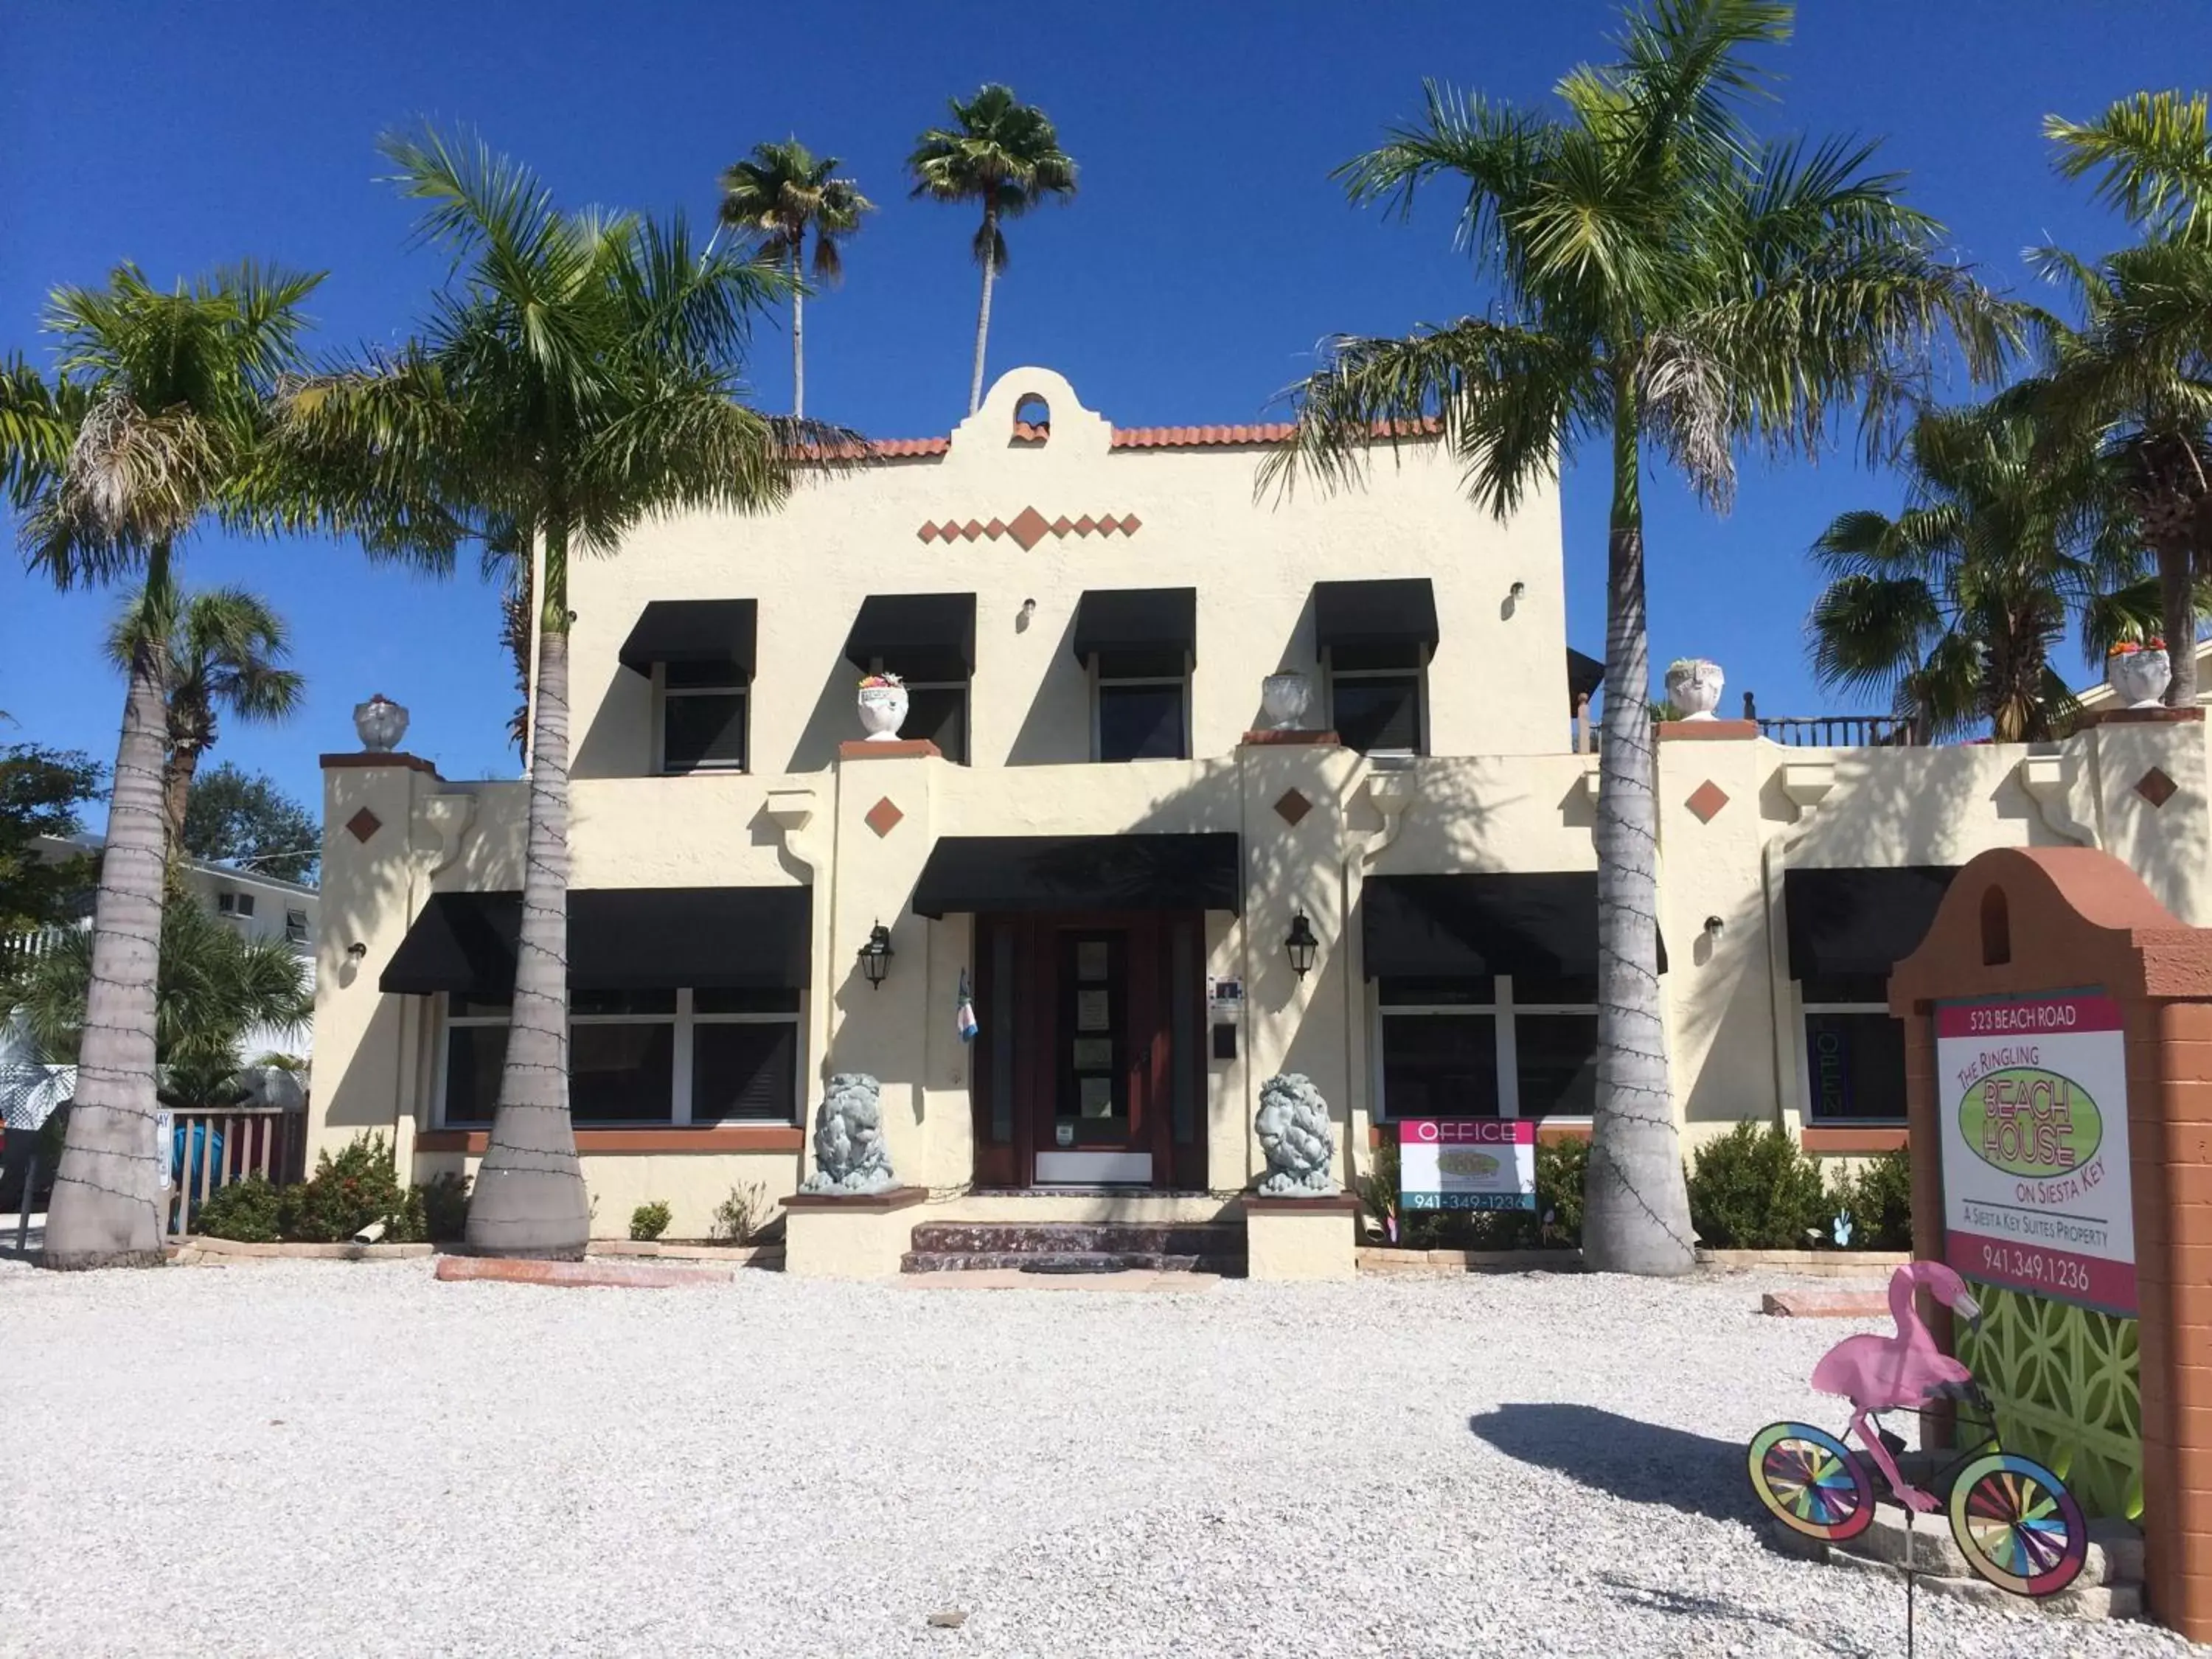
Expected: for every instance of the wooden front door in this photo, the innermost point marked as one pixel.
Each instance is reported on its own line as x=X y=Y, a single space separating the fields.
x=1087 y=1072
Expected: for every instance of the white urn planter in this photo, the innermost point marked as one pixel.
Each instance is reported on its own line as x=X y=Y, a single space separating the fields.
x=1286 y=697
x=1693 y=685
x=2140 y=677
x=883 y=707
x=380 y=722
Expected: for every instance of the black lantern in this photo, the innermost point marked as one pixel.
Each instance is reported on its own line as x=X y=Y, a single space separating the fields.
x=1301 y=944
x=876 y=955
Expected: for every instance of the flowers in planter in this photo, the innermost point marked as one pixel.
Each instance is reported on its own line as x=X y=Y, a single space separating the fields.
x=2128 y=647
x=869 y=682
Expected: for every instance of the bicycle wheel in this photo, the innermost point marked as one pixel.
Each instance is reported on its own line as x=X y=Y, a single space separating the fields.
x=1811 y=1482
x=2017 y=1525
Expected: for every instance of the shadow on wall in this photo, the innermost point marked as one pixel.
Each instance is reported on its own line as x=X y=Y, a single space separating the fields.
x=830 y=722
x=1055 y=730
x=1297 y=656
x=618 y=743
x=1623 y=1457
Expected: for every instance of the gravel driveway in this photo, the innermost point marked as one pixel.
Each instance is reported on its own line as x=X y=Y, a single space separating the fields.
x=308 y=1458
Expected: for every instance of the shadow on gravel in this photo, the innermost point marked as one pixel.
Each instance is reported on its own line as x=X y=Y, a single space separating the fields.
x=1664 y=1599
x=1642 y=1462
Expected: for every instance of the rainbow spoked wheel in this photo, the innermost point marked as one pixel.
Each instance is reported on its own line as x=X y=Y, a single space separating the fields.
x=1811 y=1482
x=2017 y=1525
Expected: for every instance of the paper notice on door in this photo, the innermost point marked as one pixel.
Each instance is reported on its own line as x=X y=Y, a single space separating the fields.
x=1064 y=1134
x=1097 y=1097
x=1090 y=959
x=1094 y=1054
x=1093 y=1011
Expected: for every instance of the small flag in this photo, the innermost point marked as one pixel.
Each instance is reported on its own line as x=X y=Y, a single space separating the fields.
x=963 y=1017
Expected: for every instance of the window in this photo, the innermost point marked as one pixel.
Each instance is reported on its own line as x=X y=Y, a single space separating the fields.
x=295 y=927
x=937 y=711
x=641 y=1058
x=1853 y=1063
x=1143 y=718
x=1377 y=711
x=235 y=905
x=1514 y=1047
x=703 y=718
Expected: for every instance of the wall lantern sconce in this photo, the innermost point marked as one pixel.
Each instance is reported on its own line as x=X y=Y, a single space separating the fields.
x=1518 y=590
x=1713 y=927
x=356 y=952
x=876 y=955
x=1301 y=944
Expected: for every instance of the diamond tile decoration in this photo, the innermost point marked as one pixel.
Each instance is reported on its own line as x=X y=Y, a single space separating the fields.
x=971 y=530
x=1131 y=524
x=363 y=825
x=928 y=533
x=1292 y=807
x=1706 y=800
x=882 y=818
x=948 y=530
x=995 y=528
x=2156 y=787
x=1028 y=528
x=1108 y=524
x=1085 y=524
x=1062 y=525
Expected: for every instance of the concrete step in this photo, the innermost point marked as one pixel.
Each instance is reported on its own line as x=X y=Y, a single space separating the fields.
x=1065 y=1261
x=1078 y=1237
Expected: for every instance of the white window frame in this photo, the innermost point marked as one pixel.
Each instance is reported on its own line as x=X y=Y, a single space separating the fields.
x=662 y=691
x=1503 y=1010
x=1100 y=680
x=685 y=1019
x=1805 y=1063
x=229 y=901
x=296 y=926
x=1419 y=675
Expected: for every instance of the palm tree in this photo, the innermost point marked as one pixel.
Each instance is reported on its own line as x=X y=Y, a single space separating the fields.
x=577 y=374
x=2136 y=376
x=1953 y=606
x=780 y=194
x=1005 y=154
x=222 y=649
x=155 y=421
x=1667 y=285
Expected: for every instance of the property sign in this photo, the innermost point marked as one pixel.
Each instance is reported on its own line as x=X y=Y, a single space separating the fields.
x=1478 y=1163
x=2032 y=1096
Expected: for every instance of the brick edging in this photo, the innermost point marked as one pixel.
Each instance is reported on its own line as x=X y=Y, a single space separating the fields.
x=364 y=759
x=898 y=1198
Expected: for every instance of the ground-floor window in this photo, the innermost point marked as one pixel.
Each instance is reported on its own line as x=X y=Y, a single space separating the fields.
x=639 y=1058
x=1511 y=1046
x=1854 y=1052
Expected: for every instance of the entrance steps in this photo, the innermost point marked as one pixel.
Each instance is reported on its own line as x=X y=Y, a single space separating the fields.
x=1076 y=1247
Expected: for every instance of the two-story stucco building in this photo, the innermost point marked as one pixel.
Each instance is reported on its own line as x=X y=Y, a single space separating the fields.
x=1088 y=825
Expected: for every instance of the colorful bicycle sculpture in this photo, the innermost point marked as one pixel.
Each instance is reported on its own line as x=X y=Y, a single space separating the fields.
x=2011 y=1518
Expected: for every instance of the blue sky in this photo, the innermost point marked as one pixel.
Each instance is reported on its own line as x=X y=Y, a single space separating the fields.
x=1206 y=255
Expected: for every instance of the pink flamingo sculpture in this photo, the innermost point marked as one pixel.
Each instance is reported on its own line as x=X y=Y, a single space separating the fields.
x=1900 y=1372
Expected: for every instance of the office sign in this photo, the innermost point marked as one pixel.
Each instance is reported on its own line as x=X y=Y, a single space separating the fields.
x=1476 y=1164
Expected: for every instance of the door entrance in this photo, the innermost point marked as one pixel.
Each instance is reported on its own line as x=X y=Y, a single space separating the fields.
x=1087 y=1069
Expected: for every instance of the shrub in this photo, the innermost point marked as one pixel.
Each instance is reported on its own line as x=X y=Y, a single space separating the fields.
x=250 y=1210
x=446 y=1208
x=348 y=1193
x=1879 y=1201
x=1562 y=1168
x=649 y=1221
x=1753 y=1189
x=739 y=1217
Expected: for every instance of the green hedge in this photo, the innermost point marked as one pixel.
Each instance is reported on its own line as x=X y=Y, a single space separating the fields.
x=355 y=1189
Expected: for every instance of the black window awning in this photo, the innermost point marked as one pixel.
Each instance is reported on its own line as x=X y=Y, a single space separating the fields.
x=916 y=636
x=718 y=633
x=1081 y=872
x=1137 y=632
x=1855 y=923
x=1384 y=624
x=1540 y=923
x=620 y=939
x=1584 y=675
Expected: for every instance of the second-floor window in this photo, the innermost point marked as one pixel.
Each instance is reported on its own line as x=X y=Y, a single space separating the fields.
x=1377 y=711
x=1143 y=717
x=703 y=710
x=937 y=711
x=295 y=927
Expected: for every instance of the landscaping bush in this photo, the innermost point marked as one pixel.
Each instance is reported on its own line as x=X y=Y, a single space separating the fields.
x=1562 y=1168
x=446 y=1208
x=649 y=1221
x=1753 y=1189
x=351 y=1191
x=740 y=1217
x=1879 y=1201
x=250 y=1210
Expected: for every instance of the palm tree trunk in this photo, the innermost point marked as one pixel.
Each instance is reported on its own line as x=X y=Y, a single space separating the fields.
x=2177 y=615
x=983 y=311
x=177 y=774
x=107 y=1210
x=529 y=1198
x=798 y=341
x=1636 y=1210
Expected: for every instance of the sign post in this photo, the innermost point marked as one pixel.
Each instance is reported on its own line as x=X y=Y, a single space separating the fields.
x=1474 y=1163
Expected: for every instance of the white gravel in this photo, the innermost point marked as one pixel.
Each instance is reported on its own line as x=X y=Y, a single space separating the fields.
x=309 y=1458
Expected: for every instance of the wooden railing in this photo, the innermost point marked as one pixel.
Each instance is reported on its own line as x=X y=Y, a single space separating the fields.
x=1841 y=731
x=208 y=1150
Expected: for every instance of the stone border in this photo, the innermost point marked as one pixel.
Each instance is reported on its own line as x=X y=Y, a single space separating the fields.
x=612 y=1275
x=896 y=1198
x=742 y=1255
x=1817 y=1264
x=195 y=1247
x=1384 y=1259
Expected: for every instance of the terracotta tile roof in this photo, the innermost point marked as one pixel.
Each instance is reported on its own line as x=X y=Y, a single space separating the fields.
x=1134 y=437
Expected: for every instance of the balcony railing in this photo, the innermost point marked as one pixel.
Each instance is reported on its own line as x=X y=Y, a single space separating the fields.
x=1841 y=731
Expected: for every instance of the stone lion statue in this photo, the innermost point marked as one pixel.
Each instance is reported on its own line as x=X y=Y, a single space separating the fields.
x=848 y=1139
x=1296 y=1136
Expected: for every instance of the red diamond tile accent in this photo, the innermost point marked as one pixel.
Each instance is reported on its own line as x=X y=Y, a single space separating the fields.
x=928 y=533
x=1131 y=524
x=995 y=528
x=2156 y=787
x=1062 y=525
x=1028 y=528
x=949 y=529
x=882 y=818
x=971 y=530
x=1085 y=524
x=1706 y=800
x=1108 y=524
x=1292 y=806
x=363 y=825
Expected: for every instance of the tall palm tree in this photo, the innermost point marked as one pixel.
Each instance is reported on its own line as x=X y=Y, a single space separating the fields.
x=1953 y=606
x=155 y=421
x=222 y=651
x=1005 y=154
x=1666 y=287
x=779 y=194
x=577 y=374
